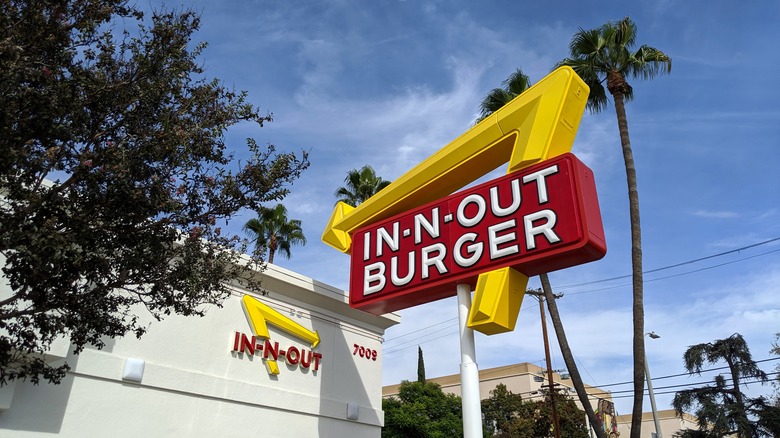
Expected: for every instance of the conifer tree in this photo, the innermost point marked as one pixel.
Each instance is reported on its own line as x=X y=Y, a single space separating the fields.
x=420 y=366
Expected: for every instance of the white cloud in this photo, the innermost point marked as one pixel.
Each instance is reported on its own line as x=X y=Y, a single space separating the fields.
x=766 y=215
x=716 y=214
x=745 y=239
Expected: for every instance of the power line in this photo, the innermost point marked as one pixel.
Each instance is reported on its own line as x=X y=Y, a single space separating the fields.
x=451 y=320
x=610 y=393
x=599 y=395
x=693 y=384
x=413 y=342
x=644 y=272
x=677 y=265
x=676 y=391
x=676 y=275
x=419 y=330
x=686 y=374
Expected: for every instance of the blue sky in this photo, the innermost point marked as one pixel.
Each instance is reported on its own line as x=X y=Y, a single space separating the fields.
x=387 y=83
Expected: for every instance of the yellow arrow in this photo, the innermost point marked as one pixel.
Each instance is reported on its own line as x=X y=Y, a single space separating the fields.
x=497 y=300
x=539 y=124
x=499 y=293
x=260 y=315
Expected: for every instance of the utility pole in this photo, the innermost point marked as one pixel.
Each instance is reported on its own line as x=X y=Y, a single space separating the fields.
x=556 y=427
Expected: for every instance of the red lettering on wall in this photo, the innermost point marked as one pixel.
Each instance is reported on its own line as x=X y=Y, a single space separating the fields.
x=306 y=363
x=243 y=343
x=247 y=345
x=272 y=350
x=317 y=357
x=293 y=356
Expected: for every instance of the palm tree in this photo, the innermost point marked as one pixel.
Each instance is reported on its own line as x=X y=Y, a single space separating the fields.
x=360 y=185
x=605 y=55
x=515 y=85
x=272 y=229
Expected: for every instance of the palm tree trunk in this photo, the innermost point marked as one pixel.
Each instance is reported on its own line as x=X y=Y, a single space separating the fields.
x=272 y=248
x=636 y=267
x=568 y=358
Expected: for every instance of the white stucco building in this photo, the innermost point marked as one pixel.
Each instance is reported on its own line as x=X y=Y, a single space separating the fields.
x=199 y=377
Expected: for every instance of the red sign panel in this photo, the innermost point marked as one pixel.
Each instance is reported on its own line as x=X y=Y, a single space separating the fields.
x=540 y=219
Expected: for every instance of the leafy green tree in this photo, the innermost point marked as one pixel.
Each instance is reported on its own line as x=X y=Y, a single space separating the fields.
x=273 y=230
x=507 y=415
x=722 y=408
x=496 y=98
x=115 y=177
x=422 y=410
x=513 y=86
x=572 y=418
x=360 y=185
x=501 y=413
x=605 y=55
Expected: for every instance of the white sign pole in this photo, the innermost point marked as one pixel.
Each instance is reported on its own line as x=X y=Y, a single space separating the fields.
x=469 y=371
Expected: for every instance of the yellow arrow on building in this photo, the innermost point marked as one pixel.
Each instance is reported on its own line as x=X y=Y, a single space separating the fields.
x=260 y=315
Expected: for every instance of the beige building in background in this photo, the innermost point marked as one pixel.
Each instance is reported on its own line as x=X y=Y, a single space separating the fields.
x=668 y=419
x=527 y=379
x=196 y=377
x=523 y=378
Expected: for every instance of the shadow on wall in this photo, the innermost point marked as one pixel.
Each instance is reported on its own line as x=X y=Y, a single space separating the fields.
x=343 y=382
x=39 y=408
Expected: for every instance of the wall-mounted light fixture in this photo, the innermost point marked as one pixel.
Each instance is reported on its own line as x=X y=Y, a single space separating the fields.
x=134 y=369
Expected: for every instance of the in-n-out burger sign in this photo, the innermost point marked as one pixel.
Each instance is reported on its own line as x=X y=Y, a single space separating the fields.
x=259 y=316
x=539 y=219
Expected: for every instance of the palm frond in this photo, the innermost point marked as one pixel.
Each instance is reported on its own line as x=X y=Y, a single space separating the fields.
x=272 y=225
x=586 y=43
x=595 y=53
x=493 y=101
x=649 y=62
x=625 y=32
x=514 y=85
x=360 y=184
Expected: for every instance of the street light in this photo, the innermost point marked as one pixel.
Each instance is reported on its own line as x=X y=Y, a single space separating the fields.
x=652 y=335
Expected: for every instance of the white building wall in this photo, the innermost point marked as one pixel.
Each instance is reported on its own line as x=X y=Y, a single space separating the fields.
x=194 y=385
